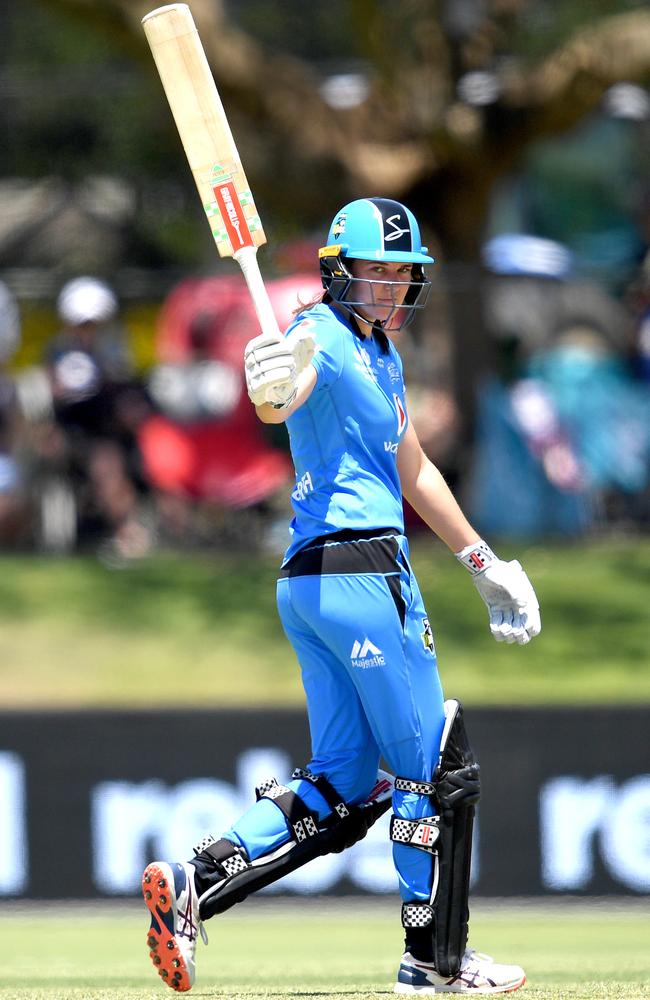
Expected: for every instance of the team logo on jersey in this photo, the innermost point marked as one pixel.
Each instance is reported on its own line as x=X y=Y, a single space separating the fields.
x=394 y=372
x=365 y=654
x=427 y=637
x=401 y=414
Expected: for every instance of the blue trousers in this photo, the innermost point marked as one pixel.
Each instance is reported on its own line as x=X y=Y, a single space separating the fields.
x=353 y=613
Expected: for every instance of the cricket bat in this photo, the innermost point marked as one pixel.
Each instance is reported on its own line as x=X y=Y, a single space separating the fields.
x=209 y=146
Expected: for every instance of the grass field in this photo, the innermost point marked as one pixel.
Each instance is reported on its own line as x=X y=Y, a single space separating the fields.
x=285 y=950
x=169 y=629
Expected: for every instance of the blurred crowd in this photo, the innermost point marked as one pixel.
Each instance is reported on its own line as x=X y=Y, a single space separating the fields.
x=563 y=425
x=97 y=455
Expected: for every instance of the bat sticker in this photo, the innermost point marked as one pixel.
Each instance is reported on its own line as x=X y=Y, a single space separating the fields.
x=233 y=216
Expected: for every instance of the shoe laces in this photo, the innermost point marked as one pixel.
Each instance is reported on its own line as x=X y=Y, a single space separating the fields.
x=476 y=956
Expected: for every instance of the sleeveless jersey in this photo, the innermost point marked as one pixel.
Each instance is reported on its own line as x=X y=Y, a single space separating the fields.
x=344 y=438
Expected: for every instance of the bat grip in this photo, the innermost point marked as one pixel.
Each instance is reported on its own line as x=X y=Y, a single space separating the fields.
x=247 y=260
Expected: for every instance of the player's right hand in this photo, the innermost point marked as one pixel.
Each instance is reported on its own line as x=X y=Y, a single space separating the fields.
x=272 y=364
x=302 y=344
x=270 y=369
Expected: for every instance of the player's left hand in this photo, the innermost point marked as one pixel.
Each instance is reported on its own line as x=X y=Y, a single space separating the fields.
x=511 y=601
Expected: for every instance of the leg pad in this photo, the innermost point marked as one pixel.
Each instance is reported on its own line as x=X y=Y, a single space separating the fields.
x=437 y=931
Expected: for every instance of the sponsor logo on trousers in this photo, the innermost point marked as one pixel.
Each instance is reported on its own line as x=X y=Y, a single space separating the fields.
x=365 y=654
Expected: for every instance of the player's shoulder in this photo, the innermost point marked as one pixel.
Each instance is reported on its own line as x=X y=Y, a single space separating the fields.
x=316 y=316
x=322 y=322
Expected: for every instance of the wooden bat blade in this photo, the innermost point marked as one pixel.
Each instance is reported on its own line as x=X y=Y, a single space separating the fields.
x=204 y=130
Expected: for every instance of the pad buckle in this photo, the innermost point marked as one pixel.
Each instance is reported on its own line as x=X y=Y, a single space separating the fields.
x=421 y=833
x=301 y=822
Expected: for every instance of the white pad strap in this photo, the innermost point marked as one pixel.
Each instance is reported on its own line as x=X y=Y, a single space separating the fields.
x=417 y=914
x=410 y=785
x=421 y=833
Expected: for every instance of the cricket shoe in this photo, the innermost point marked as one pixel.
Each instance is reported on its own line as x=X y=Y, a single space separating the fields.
x=478 y=974
x=170 y=897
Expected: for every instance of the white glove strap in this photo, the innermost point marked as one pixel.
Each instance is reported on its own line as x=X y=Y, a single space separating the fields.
x=287 y=402
x=476 y=557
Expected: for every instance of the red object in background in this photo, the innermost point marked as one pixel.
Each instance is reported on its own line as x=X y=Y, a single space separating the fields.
x=227 y=459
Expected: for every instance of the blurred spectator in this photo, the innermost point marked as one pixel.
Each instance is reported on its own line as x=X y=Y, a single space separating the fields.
x=212 y=466
x=12 y=505
x=563 y=439
x=605 y=413
x=87 y=463
x=638 y=296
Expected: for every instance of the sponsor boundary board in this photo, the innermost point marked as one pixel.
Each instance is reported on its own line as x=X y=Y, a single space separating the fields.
x=565 y=805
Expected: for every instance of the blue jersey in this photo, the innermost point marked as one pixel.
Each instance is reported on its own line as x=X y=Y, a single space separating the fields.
x=344 y=438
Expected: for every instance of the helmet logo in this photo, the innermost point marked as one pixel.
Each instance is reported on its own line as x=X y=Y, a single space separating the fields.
x=339 y=225
x=396 y=232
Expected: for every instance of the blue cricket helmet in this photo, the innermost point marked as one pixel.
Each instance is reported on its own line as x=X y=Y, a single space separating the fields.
x=378 y=229
x=375 y=229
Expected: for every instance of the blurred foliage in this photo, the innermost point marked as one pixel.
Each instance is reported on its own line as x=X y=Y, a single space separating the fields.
x=452 y=100
x=81 y=97
x=78 y=105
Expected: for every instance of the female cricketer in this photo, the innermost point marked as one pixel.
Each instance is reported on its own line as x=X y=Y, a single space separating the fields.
x=352 y=610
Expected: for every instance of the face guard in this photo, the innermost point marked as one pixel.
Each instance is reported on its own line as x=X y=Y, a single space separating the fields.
x=375 y=229
x=348 y=291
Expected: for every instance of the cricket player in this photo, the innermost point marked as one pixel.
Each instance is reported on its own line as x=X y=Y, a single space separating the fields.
x=352 y=610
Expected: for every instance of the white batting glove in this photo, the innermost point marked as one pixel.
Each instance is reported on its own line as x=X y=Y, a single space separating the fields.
x=302 y=345
x=272 y=364
x=508 y=593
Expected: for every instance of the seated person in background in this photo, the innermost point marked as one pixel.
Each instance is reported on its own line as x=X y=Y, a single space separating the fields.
x=97 y=406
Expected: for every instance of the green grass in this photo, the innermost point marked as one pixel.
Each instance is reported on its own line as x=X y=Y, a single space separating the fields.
x=171 y=628
x=314 y=950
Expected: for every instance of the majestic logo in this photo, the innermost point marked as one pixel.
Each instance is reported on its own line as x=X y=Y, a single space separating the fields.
x=427 y=637
x=365 y=654
x=401 y=414
x=303 y=487
x=396 y=232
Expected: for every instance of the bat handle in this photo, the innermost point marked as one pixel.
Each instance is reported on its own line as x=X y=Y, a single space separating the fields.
x=247 y=260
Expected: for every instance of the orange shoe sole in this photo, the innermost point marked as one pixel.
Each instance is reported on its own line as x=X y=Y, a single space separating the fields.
x=163 y=949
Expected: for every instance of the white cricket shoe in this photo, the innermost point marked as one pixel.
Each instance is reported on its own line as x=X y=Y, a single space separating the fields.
x=171 y=899
x=478 y=974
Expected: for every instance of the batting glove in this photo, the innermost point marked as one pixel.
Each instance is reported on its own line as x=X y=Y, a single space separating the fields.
x=272 y=365
x=508 y=593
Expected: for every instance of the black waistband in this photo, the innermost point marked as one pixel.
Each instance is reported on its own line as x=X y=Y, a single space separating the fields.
x=371 y=550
